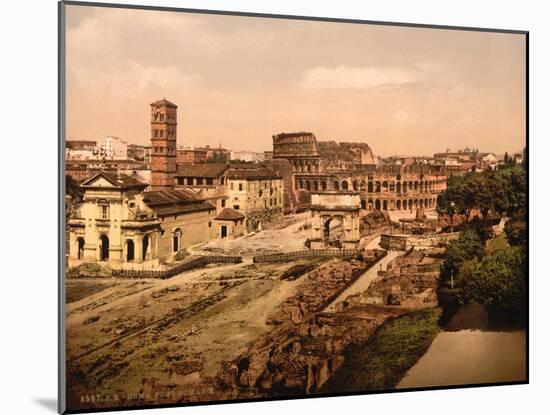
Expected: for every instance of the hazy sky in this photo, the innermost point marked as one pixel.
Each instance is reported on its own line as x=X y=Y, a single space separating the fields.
x=239 y=80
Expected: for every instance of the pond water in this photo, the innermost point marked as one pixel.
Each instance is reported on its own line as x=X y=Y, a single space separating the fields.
x=468 y=351
x=470 y=357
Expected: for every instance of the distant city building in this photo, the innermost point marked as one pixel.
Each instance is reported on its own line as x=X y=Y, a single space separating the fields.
x=191 y=155
x=139 y=153
x=114 y=148
x=218 y=154
x=79 y=170
x=462 y=161
x=248 y=156
x=82 y=150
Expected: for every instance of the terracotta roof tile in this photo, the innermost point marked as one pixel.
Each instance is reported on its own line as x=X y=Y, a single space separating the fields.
x=175 y=201
x=230 y=214
x=202 y=169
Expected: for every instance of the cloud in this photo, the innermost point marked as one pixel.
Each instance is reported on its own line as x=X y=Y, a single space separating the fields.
x=134 y=79
x=355 y=77
x=342 y=76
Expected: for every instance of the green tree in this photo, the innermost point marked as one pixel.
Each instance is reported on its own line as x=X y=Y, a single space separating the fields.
x=497 y=281
x=467 y=247
x=516 y=230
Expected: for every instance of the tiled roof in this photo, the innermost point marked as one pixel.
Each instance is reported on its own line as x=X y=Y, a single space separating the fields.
x=121 y=180
x=175 y=201
x=230 y=214
x=164 y=102
x=252 y=173
x=201 y=169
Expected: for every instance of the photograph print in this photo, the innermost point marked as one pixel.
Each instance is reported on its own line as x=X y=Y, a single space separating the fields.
x=267 y=207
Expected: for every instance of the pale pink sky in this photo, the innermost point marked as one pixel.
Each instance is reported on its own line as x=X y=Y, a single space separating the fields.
x=239 y=80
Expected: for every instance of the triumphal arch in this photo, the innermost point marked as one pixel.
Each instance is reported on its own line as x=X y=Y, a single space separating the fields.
x=335 y=219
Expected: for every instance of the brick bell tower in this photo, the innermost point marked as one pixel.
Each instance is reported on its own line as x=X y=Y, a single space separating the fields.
x=163 y=144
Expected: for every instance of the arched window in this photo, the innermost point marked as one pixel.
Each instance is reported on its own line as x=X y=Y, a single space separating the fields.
x=176 y=240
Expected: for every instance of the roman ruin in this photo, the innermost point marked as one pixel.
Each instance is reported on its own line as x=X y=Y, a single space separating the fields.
x=321 y=166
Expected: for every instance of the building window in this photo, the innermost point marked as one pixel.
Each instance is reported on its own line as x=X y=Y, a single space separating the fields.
x=240 y=187
x=209 y=224
x=223 y=203
x=176 y=240
x=236 y=207
x=104 y=209
x=231 y=186
x=180 y=181
x=209 y=181
x=199 y=181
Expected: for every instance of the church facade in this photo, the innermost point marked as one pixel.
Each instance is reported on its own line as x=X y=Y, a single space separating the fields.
x=120 y=225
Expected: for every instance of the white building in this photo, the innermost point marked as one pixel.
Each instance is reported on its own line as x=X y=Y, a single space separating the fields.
x=114 y=148
x=247 y=156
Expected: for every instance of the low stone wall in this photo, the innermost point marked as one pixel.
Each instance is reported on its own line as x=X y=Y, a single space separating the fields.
x=189 y=264
x=433 y=240
x=400 y=242
x=393 y=242
x=306 y=253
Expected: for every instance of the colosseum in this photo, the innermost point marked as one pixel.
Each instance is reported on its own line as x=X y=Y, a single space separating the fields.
x=325 y=166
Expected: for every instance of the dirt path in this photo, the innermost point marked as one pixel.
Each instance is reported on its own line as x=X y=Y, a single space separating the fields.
x=470 y=357
x=364 y=281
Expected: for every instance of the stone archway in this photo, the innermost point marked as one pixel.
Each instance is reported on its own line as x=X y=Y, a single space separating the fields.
x=335 y=220
x=333 y=229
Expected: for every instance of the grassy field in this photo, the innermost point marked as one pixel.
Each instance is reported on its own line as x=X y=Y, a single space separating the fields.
x=382 y=361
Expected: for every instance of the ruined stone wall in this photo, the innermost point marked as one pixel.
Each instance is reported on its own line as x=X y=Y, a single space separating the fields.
x=398 y=242
x=292 y=145
x=393 y=242
x=353 y=153
x=291 y=256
